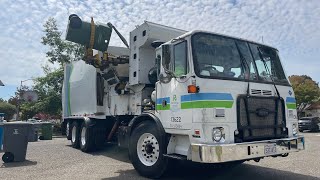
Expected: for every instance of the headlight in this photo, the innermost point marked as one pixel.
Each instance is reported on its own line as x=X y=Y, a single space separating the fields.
x=294 y=129
x=217 y=134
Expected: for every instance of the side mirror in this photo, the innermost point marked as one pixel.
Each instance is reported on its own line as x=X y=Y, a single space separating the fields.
x=165 y=78
x=166 y=56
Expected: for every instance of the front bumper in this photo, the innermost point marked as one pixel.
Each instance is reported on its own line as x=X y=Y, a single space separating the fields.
x=208 y=153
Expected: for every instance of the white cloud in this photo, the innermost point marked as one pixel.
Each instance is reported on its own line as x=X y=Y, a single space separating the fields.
x=291 y=26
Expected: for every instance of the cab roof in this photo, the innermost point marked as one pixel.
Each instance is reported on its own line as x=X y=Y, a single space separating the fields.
x=190 y=33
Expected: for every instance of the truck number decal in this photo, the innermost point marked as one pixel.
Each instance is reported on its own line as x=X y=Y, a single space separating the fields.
x=175 y=119
x=176 y=126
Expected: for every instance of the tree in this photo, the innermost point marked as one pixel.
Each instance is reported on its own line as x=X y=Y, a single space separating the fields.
x=8 y=109
x=49 y=87
x=60 y=51
x=306 y=91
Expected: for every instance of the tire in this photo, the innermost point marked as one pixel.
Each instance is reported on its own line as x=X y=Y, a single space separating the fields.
x=86 y=138
x=146 y=150
x=75 y=135
x=8 y=157
x=68 y=130
x=233 y=164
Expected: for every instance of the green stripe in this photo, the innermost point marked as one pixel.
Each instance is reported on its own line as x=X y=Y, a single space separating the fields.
x=160 y=107
x=206 y=104
x=291 y=106
x=69 y=101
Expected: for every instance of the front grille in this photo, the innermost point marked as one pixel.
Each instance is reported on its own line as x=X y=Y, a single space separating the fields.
x=260 y=118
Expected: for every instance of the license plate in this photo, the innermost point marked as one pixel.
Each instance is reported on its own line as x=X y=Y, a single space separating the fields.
x=270 y=149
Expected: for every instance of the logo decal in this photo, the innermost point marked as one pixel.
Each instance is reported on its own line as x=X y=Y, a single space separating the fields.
x=175 y=104
x=15 y=131
x=290 y=92
x=262 y=112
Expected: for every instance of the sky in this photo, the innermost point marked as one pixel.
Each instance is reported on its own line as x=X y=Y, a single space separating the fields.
x=292 y=26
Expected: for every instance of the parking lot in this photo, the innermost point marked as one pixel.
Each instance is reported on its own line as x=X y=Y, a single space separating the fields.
x=56 y=159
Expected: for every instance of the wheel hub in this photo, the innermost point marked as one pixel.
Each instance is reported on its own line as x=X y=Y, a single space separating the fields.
x=83 y=135
x=73 y=134
x=148 y=149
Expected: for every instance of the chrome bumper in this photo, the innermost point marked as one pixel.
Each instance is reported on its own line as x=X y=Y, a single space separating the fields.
x=208 y=153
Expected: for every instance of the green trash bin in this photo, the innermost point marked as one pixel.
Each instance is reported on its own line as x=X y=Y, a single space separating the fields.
x=79 y=32
x=46 y=131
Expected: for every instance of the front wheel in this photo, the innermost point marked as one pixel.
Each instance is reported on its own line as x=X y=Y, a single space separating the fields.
x=146 y=150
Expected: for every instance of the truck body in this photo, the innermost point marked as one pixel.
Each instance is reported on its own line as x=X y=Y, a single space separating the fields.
x=197 y=95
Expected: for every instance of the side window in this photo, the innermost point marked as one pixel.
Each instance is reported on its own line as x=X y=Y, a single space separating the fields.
x=180 y=59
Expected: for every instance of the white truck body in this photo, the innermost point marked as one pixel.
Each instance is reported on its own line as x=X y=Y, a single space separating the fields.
x=190 y=119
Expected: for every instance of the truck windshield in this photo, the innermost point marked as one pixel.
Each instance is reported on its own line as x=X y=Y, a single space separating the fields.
x=222 y=57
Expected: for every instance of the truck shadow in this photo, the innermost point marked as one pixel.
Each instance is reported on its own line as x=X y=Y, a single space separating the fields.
x=19 y=164
x=114 y=152
x=196 y=171
x=191 y=170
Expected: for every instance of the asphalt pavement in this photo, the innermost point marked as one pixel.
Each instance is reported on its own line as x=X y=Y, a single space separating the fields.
x=56 y=159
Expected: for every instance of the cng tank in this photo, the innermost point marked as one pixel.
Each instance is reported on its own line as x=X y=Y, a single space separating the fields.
x=79 y=32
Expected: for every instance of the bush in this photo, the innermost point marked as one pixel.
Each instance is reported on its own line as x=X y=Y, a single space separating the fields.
x=8 y=109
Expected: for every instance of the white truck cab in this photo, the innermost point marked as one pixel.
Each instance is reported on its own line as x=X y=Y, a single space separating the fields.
x=225 y=99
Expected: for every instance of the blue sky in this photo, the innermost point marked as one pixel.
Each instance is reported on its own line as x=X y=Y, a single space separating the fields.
x=292 y=26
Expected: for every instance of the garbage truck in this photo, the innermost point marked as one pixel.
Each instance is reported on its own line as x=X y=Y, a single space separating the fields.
x=189 y=95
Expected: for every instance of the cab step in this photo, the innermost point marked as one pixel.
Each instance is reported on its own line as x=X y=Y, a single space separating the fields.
x=176 y=156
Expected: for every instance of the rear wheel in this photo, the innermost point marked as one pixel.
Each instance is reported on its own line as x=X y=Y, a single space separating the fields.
x=8 y=157
x=86 y=138
x=75 y=133
x=146 y=150
x=68 y=130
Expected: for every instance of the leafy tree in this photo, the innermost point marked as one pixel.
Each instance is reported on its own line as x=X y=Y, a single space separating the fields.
x=28 y=110
x=8 y=109
x=306 y=91
x=49 y=87
x=60 y=51
x=13 y=100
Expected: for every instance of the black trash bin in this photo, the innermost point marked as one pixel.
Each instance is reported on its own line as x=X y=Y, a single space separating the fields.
x=34 y=132
x=15 y=141
x=1 y=136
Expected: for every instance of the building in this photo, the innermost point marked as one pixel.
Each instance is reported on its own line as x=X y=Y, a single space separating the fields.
x=313 y=110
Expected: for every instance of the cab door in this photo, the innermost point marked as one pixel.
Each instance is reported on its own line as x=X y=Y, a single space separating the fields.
x=169 y=94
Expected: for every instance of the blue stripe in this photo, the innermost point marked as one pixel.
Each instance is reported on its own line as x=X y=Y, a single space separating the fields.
x=206 y=97
x=291 y=100
x=159 y=100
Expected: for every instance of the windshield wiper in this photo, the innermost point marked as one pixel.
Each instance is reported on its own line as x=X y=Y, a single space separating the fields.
x=267 y=68
x=245 y=66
